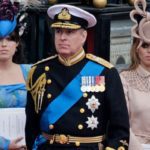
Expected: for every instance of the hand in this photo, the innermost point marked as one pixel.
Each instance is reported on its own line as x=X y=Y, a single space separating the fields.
x=14 y=144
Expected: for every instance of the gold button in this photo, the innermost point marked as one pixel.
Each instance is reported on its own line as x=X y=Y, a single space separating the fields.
x=82 y=110
x=51 y=126
x=49 y=96
x=77 y=143
x=49 y=81
x=46 y=68
x=85 y=94
x=80 y=126
x=121 y=148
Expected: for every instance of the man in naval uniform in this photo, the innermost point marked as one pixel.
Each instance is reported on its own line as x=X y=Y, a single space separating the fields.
x=75 y=100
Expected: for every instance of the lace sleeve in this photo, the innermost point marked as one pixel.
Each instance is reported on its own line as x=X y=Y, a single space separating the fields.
x=125 y=87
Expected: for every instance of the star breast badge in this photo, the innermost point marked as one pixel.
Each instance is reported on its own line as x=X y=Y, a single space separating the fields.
x=92 y=122
x=93 y=103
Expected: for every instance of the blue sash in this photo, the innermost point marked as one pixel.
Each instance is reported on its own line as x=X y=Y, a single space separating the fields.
x=69 y=96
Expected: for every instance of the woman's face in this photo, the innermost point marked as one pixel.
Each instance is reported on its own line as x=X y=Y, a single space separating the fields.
x=7 y=48
x=144 y=55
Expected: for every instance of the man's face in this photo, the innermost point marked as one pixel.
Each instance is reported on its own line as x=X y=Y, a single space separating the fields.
x=69 y=41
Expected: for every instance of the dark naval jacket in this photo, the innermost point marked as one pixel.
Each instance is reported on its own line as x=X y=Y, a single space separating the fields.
x=76 y=107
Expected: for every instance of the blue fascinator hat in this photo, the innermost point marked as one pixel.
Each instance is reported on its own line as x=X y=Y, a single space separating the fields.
x=8 y=19
x=6 y=27
x=12 y=17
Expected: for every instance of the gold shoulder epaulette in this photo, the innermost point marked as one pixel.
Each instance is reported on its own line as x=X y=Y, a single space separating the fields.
x=44 y=60
x=99 y=60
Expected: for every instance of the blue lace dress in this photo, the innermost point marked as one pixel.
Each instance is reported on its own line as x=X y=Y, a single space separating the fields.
x=13 y=95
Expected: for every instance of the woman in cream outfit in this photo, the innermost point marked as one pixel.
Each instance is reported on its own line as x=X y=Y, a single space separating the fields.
x=136 y=79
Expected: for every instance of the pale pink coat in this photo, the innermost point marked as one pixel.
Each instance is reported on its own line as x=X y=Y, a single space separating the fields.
x=138 y=103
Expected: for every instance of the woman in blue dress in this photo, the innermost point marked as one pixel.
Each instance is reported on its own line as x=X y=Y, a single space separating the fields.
x=13 y=71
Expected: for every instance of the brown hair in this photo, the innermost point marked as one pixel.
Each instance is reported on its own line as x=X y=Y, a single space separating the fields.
x=19 y=56
x=135 y=61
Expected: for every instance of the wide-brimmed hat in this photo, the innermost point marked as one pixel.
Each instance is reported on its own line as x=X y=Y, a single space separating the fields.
x=141 y=29
x=70 y=17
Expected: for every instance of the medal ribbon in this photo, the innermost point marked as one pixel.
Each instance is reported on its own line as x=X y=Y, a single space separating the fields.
x=69 y=96
x=63 y=102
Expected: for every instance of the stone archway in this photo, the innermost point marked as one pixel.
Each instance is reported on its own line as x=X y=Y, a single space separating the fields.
x=120 y=60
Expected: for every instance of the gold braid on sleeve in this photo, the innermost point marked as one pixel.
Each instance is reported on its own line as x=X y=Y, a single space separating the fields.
x=37 y=88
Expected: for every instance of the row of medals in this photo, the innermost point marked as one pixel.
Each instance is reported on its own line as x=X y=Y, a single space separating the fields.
x=92 y=84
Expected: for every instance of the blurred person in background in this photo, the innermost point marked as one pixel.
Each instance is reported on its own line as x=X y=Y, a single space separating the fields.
x=136 y=79
x=13 y=70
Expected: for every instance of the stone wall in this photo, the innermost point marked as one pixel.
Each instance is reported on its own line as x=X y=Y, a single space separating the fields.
x=120 y=43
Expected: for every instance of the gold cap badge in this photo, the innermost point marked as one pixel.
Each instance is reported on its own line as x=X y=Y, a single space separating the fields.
x=64 y=14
